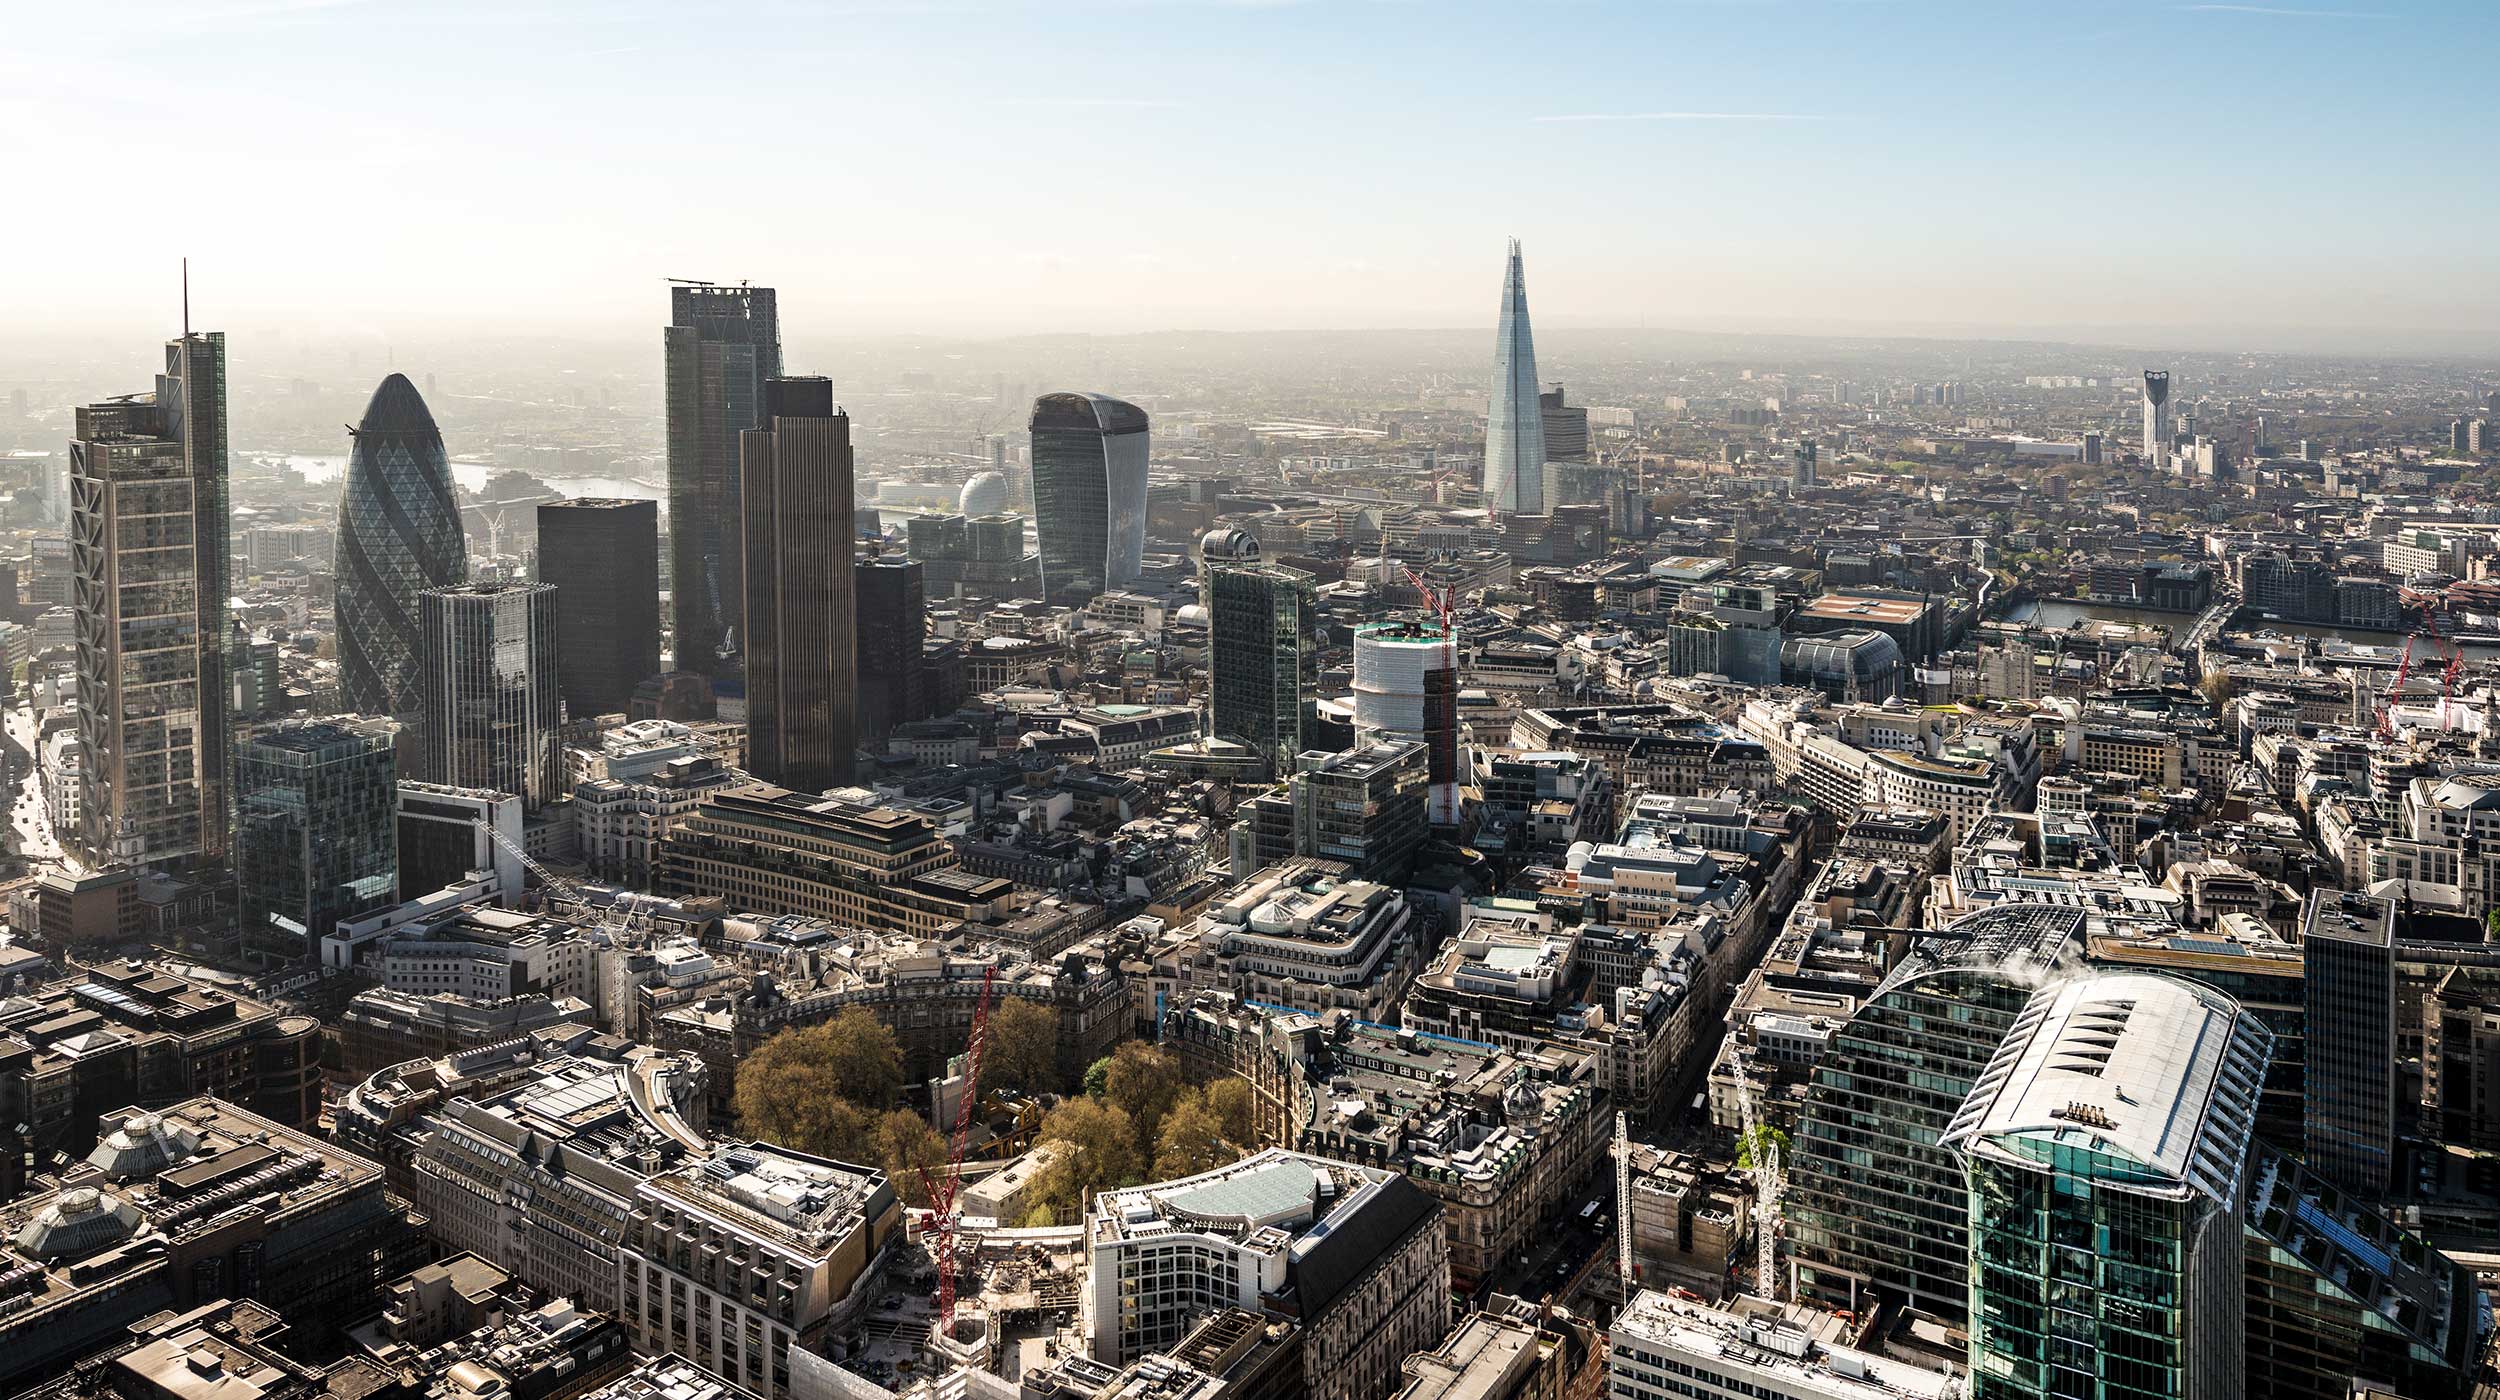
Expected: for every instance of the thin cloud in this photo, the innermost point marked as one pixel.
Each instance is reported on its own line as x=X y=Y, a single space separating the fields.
x=1083 y=102
x=1683 y=117
x=2287 y=12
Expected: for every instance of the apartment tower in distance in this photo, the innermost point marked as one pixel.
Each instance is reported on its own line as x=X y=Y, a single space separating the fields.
x=2156 y=419
x=488 y=708
x=723 y=344
x=602 y=557
x=1514 y=430
x=149 y=589
x=399 y=535
x=1089 y=494
x=802 y=625
x=1262 y=649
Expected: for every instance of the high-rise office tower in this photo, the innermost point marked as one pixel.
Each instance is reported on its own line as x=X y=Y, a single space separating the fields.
x=2157 y=419
x=2348 y=965
x=602 y=556
x=488 y=707
x=399 y=535
x=893 y=622
x=1514 y=430
x=2106 y=1153
x=1262 y=649
x=1089 y=494
x=801 y=638
x=149 y=592
x=722 y=345
x=316 y=831
x=1566 y=426
x=1406 y=686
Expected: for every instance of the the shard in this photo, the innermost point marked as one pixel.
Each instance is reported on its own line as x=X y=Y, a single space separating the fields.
x=1514 y=430
x=399 y=535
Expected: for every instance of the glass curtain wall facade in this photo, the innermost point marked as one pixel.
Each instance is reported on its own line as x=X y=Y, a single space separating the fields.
x=150 y=583
x=1089 y=494
x=488 y=708
x=802 y=657
x=316 y=832
x=2348 y=961
x=1875 y=1207
x=1263 y=658
x=1514 y=433
x=721 y=347
x=893 y=614
x=399 y=534
x=603 y=559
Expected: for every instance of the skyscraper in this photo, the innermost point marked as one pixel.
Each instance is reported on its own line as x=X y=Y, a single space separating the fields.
x=149 y=593
x=2348 y=965
x=801 y=639
x=1566 y=425
x=722 y=345
x=488 y=707
x=399 y=535
x=316 y=831
x=1514 y=432
x=1089 y=494
x=893 y=623
x=602 y=556
x=1262 y=649
x=1406 y=686
x=2106 y=1151
x=2157 y=419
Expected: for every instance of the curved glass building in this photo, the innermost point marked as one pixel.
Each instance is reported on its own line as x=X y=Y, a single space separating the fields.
x=1514 y=429
x=1845 y=666
x=1089 y=494
x=1876 y=1206
x=399 y=535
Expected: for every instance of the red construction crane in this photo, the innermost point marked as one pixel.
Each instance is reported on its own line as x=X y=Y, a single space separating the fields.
x=942 y=1189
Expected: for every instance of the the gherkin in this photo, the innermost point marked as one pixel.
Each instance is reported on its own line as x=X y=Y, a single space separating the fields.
x=399 y=534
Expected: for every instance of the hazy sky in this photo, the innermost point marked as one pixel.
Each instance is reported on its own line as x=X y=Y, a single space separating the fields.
x=987 y=166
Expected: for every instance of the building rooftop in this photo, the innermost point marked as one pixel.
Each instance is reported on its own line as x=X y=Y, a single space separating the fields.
x=1771 y=1347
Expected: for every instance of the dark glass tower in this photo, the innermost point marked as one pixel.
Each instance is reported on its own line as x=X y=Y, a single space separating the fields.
x=487 y=710
x=399 y=535
x=893 y=618
x=603 y=558
x=801 y=640
x=722 y=345
x=2348 y=958
x=316 y=831
x=1263 y=652
x=150 y=583
x=1089 y=493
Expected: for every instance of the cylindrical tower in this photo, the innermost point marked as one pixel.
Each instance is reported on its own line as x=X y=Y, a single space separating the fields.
x=1406 y=684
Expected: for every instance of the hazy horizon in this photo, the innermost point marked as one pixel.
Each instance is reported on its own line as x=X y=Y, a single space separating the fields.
x=2120 y=172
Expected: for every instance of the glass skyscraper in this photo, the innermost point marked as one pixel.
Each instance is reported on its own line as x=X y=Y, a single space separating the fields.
x=1514 y=430
x=890 y=603
x=722 y=345
x=2348 y=961
x=802 y=647
x=603 y=559
x=316 y=831
x=150 y=584
x=1089 y=494
x=488 y=708
x=2106 y=1150
x=1262 y=650
x=399 y=535
x=1875 y=1207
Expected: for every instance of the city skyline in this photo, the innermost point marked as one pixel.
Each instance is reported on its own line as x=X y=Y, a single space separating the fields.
x=1661 y=183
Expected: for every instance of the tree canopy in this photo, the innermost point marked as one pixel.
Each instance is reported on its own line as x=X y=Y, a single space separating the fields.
x=1023 y=1048
x=819 y=1088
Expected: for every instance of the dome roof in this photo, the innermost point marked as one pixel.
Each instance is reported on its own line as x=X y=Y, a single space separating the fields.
x=1228 y=544
x=80 y=1220
x=143 y=1145
x=984 y=494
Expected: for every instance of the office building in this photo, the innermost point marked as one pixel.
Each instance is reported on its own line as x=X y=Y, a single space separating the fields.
x=773 y=851
x=316 y=831
x=1801 y=469
x=1262 y=650
x=1875 y=1208
x=802 y=630
x=602 y=557
x=978 y=557
x=1089 y=494
x=1365 y=807
x=1663 y=1345
x=446 y=833
x=1566 y=425
x=893 y=628
x=722 y=346
x=399 y=535
x=2348 y=964
x=1406 y=687
x=1514 y=433
x=1353 y=1256
x=2091 y=455
x=2106 y=1150
x=150 y=580
x=487 y=709
x=2157 y=429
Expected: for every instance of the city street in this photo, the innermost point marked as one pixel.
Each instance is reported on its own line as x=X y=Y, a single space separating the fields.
x=30 y=833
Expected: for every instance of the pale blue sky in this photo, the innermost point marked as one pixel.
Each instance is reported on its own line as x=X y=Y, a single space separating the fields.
x=988 y=166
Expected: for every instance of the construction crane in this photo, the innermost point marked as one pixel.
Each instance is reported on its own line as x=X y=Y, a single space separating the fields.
x=1767 y=1183
x=942 y=1190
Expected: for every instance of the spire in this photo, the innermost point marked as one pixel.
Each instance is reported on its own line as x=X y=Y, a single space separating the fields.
x=1514 y=440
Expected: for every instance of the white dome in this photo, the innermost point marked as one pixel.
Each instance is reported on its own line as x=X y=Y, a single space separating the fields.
x=984 y=494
